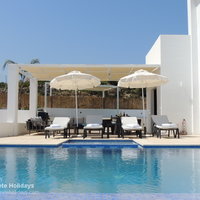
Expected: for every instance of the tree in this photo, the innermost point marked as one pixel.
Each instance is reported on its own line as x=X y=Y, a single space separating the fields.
x=35 y=61
x=8 y=62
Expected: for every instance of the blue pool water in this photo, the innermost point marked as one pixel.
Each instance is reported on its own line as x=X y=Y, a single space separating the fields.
x=100 y=170
x=100 y=144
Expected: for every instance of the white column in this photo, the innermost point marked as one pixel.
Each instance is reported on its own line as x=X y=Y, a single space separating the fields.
x=76 y=99
x=148 y=110
x=103 y=94
x=50 y=91
x=33 y=97
x=45 y=95
x=194 y=32
x=12 y=98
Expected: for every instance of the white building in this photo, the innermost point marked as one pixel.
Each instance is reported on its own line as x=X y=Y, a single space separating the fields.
x=175 y=56
x=179 y=59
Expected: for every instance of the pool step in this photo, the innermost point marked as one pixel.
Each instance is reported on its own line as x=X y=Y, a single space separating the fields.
x=100 y=144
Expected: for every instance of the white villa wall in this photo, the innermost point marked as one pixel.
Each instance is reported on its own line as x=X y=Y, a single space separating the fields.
x=23 y=115
x=154 y=57
x=12 y=129
x=82 y=113
x=177 y=93
x=175 y=60
x=3 y=115
x=154 y=54
x=7 y=129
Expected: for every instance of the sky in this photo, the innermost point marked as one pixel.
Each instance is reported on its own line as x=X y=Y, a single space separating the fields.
x=86 y=31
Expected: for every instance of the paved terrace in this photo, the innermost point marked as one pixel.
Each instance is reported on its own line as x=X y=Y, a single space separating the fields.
x=32 y=139
x=189 y=140
x=39 y=139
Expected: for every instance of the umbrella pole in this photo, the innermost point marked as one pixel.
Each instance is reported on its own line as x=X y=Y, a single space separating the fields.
x=76 y=108
x=118 y=100
x=144 y=121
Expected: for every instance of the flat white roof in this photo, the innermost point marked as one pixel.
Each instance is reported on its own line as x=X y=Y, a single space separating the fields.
x=105 y=72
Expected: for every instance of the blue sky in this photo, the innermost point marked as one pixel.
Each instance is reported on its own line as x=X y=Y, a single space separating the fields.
x=86 y=31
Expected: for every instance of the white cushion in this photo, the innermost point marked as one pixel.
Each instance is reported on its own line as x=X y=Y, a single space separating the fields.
x=55 y=126
x=62 y=121
x=129 y=120
x=167 y=126
x=49 y=128
x=131 y=127
x=93 y=126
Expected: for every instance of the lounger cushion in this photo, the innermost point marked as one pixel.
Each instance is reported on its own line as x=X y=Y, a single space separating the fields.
x=59 y=123
x=62 y=121
x=55 y=125
x=130 y=123
x=54 y=128
x=131 y=127
x=167 y=126
x=129 y=120
x=93 y=126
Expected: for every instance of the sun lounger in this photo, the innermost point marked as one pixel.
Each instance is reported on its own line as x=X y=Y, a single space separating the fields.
x=93 y=123
x=161 y=125
x=59 y=124
x=130 y=125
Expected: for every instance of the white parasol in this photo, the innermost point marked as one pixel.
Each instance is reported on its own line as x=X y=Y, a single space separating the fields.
x=142 y=79
x=75 y=80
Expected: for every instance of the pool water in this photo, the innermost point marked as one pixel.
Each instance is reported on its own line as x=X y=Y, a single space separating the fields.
x=100 y=170
x=100 y=144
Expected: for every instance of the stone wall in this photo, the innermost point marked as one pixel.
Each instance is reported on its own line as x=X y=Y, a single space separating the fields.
x=83 y=102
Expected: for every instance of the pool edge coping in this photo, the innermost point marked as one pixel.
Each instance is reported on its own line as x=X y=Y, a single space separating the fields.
x=137 y=144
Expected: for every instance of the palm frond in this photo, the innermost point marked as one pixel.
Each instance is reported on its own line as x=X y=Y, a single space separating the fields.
x=35 y=61
x=8 y=62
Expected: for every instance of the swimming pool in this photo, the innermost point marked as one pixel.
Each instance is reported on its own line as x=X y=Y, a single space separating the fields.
x=100 y=144
x=100 y=170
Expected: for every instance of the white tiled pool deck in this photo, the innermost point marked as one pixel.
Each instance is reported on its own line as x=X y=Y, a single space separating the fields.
x=39 y=139
x=189 y=140
x=33 y=139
